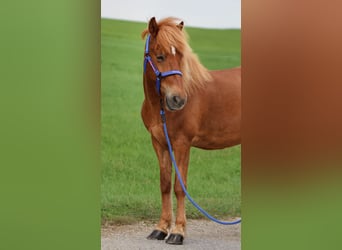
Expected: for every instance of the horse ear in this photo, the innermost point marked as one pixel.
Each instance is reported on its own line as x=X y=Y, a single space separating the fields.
x=180 y=25
x=153 y=27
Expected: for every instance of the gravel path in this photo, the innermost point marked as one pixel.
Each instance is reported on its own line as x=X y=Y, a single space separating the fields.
x=201 y=234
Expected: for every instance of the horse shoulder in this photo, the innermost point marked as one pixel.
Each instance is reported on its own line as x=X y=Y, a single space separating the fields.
x=146 y=115
x=151 y=121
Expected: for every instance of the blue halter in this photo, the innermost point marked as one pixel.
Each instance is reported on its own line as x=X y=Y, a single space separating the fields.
x=159 y=75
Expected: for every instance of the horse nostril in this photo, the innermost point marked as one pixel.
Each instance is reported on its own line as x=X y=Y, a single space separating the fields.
x=176 y=99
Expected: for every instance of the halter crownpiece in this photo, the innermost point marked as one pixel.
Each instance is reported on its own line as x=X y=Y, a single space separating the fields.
x=159 y=75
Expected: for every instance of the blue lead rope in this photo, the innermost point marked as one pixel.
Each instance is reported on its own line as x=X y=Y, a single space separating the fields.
x=162 y=113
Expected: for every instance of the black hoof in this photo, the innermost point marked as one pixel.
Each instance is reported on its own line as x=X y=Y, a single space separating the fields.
x=157 y=235
x=175 y=239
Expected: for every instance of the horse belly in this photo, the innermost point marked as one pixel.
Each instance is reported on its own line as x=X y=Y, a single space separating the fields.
x=220 y=123
x=219 y=133
x=216 y=141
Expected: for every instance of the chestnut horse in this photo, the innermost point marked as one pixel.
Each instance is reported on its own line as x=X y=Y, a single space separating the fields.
x=202 y=108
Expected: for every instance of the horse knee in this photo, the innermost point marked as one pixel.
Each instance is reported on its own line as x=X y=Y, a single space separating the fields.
x=178 y=190
x=165 y=188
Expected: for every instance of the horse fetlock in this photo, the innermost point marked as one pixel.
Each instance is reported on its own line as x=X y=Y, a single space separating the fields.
x=164 y=225
x=179 y=229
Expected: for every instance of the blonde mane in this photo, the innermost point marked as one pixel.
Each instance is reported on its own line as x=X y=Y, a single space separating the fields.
x=195 y=75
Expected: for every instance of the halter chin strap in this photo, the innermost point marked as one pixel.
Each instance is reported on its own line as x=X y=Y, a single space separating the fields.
x=159 y=75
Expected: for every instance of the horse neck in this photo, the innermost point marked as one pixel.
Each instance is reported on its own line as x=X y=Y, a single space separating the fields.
x=151 y=95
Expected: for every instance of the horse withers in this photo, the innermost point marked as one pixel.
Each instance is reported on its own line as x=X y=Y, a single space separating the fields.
x=202 y=108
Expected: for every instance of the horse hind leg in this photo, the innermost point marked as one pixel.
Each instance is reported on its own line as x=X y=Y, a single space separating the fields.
x=161 y=230
x=178 y=232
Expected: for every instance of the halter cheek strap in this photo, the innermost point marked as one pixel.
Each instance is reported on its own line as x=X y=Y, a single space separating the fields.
x=159 y=75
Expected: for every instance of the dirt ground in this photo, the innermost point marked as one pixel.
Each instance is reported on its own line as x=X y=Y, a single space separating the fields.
x=201 y=234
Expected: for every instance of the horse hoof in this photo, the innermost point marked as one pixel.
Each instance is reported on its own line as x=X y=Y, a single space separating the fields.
x=175 y=239
x=157 y=235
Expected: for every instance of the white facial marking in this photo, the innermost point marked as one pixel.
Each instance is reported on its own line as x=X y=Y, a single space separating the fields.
x=173 y=50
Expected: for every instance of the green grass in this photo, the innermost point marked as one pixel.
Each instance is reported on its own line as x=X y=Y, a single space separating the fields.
x=130 y=172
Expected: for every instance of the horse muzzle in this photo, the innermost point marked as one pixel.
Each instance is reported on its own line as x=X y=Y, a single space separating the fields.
x=175 y=102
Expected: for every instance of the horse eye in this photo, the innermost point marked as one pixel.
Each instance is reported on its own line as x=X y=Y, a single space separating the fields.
x=160 y=58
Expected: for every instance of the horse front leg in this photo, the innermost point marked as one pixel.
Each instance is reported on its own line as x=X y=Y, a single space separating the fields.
x=182 y=153
x=162 y=228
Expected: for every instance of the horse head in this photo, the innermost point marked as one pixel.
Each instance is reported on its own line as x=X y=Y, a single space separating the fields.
x=163 y=62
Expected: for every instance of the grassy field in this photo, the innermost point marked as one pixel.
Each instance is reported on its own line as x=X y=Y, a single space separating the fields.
x=130 y=173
